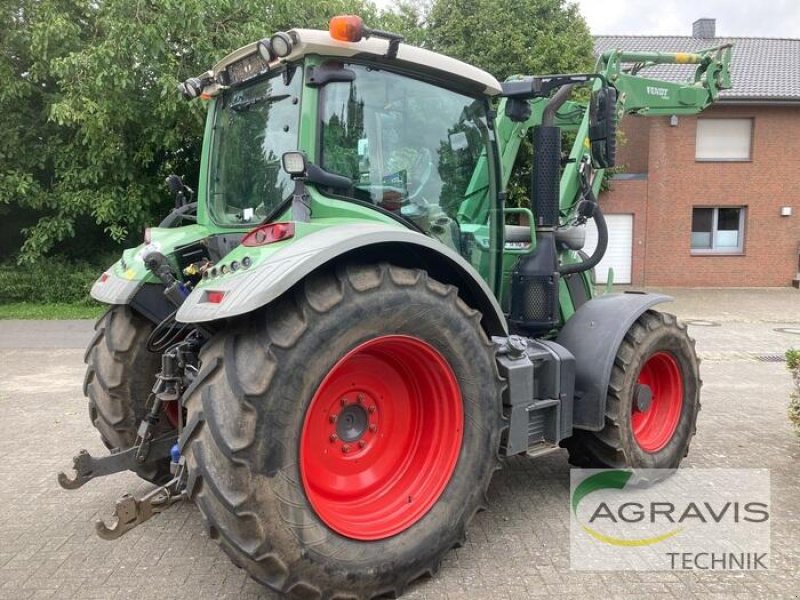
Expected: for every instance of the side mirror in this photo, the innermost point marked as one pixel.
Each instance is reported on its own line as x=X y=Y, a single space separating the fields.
x=603 y=127
x=182 y=194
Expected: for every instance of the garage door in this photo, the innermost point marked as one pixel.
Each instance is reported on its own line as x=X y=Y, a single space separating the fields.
x=620 y=246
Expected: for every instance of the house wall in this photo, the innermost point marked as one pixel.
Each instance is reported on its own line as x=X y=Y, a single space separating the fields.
x=675 y=182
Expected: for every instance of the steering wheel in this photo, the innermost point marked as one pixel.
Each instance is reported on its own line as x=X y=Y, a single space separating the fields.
x=423 y=164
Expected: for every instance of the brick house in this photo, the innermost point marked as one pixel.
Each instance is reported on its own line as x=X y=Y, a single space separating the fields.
x=711 y=200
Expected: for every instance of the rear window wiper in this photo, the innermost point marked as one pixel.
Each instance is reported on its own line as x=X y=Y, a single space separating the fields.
x=243 y=105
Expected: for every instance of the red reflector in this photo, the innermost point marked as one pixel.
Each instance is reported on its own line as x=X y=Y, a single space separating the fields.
x=103 y=277
x=269 y=233
x=214 y=297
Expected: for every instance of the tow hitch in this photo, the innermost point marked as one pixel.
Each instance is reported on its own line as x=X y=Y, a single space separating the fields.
x=87 y=467
x=176 y=372
x=130 y=512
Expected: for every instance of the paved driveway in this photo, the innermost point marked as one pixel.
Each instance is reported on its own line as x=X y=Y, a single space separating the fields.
x=519 y=548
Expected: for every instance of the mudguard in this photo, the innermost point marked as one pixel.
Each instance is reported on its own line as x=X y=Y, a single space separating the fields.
x=255 y=287
x=593 y=335
x=112 y=289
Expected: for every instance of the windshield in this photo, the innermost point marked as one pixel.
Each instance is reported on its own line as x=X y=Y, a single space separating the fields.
x=409 y=146
x=255 y=125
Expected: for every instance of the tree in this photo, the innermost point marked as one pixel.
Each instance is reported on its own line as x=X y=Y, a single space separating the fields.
x=91 y=118
x=512 y=37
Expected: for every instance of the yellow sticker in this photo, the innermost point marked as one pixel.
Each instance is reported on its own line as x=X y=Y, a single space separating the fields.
x=683 y=57
x=129 y=274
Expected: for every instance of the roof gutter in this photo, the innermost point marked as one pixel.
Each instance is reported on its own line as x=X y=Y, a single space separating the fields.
x=759 y=101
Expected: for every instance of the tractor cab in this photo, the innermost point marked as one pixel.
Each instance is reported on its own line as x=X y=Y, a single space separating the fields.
x=382 y=125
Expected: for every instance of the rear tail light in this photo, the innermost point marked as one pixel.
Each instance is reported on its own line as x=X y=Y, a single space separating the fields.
x=214 y=296
x=268 y=234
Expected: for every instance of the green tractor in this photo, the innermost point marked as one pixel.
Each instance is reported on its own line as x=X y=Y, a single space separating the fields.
x=331 y=349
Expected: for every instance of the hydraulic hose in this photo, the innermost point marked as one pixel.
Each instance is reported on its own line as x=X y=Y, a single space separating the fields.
x=556 y=102
x=599 y=251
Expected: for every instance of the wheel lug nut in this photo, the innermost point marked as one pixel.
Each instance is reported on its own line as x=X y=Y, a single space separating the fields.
x=333 y=437
x=360 y=398
x=371 y=409
x=361 y=443
x=332 y=418
x=344 y=401
x=346 y=448
x=373 y=428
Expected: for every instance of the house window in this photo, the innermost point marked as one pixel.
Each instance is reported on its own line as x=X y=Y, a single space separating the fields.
x=724 y=139
x=718 y=230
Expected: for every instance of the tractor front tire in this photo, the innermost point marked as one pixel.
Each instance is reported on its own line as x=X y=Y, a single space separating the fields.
x=652 y=403
x=120 y=374
x=340 y=441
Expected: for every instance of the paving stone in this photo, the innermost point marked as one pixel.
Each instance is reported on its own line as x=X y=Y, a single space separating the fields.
x=519 y=548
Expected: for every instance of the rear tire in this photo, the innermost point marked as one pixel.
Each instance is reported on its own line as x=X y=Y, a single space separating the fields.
x=120 y=374
x=265 y=471
x=657 y=352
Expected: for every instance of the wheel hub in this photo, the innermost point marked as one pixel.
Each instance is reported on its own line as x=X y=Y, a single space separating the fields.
x=351 y=423
x=644 y=397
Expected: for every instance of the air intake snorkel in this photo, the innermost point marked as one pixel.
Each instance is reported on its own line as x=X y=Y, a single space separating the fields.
x=535 y=279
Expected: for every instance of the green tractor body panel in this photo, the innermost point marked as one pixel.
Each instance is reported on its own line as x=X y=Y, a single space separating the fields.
x=122 y=279
x=276 y=268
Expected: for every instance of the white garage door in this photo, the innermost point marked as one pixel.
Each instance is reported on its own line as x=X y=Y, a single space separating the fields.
x=620 y=247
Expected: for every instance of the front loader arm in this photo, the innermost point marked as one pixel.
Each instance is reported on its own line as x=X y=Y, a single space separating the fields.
x=637 y=94
x=654 y=97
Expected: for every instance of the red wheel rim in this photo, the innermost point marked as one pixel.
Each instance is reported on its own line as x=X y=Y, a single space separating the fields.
x=381 y=437
x=654 y=427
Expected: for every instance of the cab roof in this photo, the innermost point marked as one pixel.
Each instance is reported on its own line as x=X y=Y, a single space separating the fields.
x=314 y=41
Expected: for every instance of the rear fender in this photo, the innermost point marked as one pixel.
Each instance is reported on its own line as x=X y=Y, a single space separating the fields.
x=593 y=335
x=251 y=289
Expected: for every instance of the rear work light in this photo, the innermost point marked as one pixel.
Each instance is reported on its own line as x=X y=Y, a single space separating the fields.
x=268 y=234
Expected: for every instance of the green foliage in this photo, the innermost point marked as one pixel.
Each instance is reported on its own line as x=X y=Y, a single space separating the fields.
x=793 y=364
x=48 y=281
x=793 y=360
x=512 y=37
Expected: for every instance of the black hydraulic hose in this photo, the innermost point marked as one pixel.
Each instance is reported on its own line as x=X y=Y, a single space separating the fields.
x=599 y=251
x=556 y=102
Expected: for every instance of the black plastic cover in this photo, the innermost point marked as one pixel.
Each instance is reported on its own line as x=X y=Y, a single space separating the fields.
x=593 y=335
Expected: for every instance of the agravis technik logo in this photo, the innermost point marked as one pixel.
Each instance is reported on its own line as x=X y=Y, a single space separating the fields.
x=653 y=519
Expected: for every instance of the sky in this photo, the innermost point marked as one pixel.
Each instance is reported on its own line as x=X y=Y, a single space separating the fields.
x=735 y=18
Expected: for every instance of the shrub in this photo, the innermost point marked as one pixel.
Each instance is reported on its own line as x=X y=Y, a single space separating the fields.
x=48 y=281
x=793 y=364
